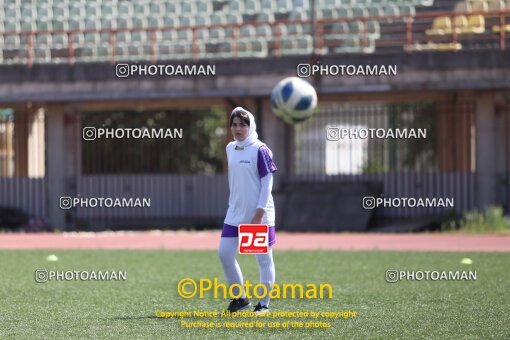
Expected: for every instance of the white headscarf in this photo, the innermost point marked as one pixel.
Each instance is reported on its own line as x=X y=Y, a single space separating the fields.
x=252 y=133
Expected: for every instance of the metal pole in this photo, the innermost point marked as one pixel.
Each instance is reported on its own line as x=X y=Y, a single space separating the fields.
x=313 y=58
x=314 y=26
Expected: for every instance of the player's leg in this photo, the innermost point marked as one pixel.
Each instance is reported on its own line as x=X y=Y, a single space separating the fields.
x=227 y=252
x=267 y=278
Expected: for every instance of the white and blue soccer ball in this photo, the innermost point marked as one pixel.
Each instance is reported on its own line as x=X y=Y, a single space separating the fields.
x=293 y=100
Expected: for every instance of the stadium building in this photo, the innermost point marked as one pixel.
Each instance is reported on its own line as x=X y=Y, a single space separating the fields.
x=80 y=82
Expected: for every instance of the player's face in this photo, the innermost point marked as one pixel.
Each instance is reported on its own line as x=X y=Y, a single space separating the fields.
x=239 y=129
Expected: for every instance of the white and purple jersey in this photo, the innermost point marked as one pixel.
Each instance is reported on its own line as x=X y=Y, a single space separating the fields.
x=246 y=167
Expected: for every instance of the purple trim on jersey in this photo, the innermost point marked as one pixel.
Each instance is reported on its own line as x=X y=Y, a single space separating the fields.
x=265 y=162
x=232 y=231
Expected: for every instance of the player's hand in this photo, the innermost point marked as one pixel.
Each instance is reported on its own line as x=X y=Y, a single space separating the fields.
x=257 y=219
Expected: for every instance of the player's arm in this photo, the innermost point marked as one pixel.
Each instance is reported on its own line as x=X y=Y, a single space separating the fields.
x=266 y=167
x=265 y=191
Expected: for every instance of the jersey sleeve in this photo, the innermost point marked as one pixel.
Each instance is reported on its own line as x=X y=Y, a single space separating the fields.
x=265 y=191
x=265 y=163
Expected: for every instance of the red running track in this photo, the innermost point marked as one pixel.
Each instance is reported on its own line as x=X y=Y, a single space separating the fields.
x=208 y=240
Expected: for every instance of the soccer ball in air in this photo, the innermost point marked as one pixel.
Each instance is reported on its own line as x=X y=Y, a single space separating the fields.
x=293 y=100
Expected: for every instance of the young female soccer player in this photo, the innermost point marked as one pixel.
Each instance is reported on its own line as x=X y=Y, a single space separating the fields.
x=250 y=179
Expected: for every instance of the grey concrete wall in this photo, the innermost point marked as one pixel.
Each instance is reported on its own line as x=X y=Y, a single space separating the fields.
x=56 y=162
x=486 y=151
x=256 y=77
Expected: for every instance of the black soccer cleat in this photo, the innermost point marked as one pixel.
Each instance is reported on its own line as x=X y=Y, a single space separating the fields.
x=237 y=305
x=260 y=310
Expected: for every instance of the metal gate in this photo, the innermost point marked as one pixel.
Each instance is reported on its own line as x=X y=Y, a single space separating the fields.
x=22 y=161
x=415 y=149
x=184 y=178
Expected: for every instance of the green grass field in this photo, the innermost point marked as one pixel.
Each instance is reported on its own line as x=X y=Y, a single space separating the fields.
x=410 y=309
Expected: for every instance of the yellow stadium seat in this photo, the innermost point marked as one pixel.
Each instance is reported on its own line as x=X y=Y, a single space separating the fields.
x=432 y=46
x=476 y=24
x=448 y=47
x=462 y=6
x=496 y=5
x=440 y=26
x=479 y=6
x=497 y=28
x=460 y=23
